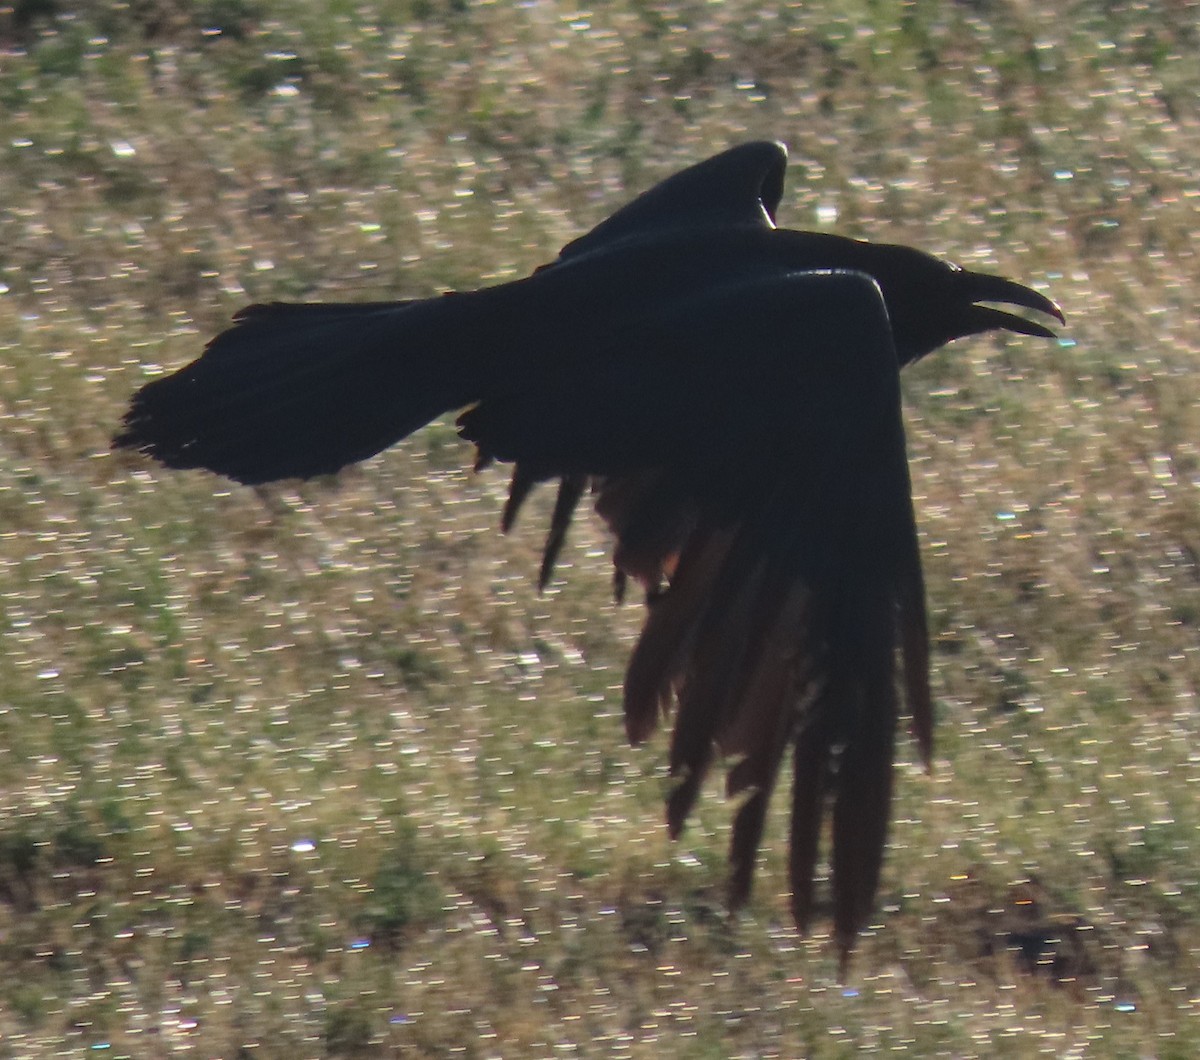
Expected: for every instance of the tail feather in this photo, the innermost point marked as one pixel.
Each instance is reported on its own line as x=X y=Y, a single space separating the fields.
x=296 y=390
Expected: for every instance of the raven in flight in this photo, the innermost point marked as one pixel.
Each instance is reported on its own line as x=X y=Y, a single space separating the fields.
x=728 y=391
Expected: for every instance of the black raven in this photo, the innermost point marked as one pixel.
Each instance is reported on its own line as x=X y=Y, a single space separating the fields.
x=729 y=392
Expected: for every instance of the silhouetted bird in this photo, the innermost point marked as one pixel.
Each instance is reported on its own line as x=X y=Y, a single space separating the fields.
x=729 y=392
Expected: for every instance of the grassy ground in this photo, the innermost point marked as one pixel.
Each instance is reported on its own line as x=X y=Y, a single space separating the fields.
x=315 y=772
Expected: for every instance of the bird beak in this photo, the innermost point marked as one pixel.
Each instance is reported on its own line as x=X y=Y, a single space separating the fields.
x=982 y=287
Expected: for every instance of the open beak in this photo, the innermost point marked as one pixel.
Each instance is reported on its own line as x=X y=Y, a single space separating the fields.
x=983 y=287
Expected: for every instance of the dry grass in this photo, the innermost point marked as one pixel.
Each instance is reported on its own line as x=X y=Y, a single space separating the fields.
x=315 y=772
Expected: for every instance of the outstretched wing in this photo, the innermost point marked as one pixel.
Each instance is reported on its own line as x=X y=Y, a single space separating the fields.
x=754 y=473
x=741 y=186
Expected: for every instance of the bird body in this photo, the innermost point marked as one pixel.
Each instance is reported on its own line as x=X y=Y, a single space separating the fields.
x=322 y=385
x=399 y=365
x=729 y=392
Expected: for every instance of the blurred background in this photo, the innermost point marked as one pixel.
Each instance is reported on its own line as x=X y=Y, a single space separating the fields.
x=314 y=771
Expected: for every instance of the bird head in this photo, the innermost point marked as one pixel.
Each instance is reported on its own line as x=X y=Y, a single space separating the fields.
x=931 y=302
